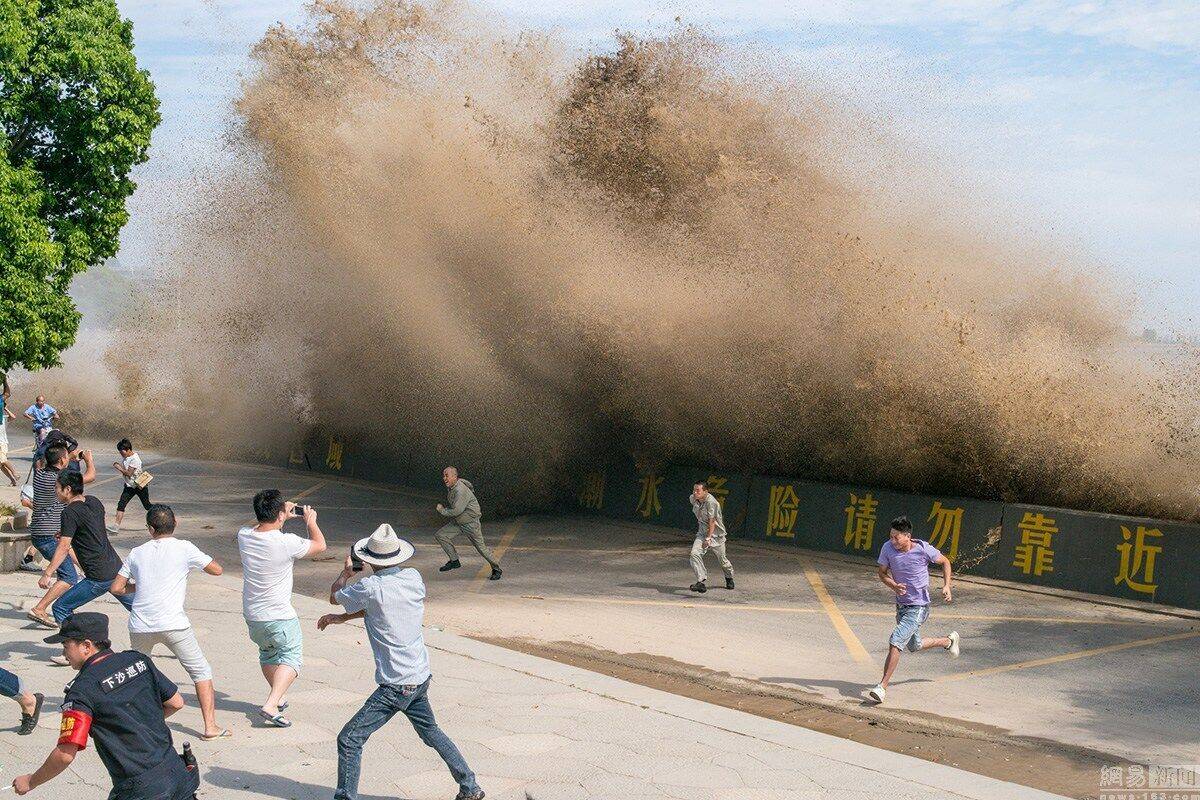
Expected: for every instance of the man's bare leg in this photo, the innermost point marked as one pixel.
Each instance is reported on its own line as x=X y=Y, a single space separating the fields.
x=9 y=472
x=56 y=591
x=208 y=706
x=889 y=665
x=279 y=678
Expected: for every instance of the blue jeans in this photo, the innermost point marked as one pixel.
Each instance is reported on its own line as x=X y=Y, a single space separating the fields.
x=381 y=706
x=10 y=684
x=81 y=594
x=46 y=545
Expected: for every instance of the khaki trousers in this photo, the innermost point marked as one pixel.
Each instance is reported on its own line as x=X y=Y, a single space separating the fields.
x=473 y=531
x=698 y=552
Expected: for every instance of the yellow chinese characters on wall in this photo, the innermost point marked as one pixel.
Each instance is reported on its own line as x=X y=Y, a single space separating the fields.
x=782 y=510
x=333 y=459
x=947 y=528
x=591 y=494
x=860 y=521
x=1035 y=554
x=717 y=488
x=1137 y=559
x=648 y=502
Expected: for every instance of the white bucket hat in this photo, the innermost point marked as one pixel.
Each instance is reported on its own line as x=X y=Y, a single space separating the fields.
x=383 y=548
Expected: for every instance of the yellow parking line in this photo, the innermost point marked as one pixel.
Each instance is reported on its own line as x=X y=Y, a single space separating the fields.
x=857 y=651
x=308 y=491
x=16 y=450
x=1095 y=651
x=498 y=552
x=149 y=468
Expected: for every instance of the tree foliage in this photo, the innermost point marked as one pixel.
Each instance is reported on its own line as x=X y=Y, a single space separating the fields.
x=76 y=115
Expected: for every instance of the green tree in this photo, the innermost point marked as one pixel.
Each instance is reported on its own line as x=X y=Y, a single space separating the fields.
x=76 y=115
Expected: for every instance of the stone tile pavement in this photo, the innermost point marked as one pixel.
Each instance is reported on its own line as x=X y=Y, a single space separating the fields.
x=531 y=729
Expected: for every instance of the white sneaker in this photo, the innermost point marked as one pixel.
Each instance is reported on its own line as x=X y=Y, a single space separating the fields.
x=113 y=529
x=953 y=648
x=60 y=661
x=30 y=566
x=877 y=694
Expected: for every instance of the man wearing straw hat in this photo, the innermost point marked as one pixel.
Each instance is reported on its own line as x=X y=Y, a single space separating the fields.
x=391 y=602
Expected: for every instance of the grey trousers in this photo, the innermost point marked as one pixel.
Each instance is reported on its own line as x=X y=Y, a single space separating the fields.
x=473 y=531
x=698 y=551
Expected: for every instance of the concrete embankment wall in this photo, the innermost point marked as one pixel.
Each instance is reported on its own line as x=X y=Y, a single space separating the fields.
x=1128 y=557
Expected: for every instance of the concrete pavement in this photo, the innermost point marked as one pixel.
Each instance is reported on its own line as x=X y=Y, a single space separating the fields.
x=529 y=727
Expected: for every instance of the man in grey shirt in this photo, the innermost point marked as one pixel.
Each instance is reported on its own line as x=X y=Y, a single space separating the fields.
x=392 y=603
x=463 y=510
x=710 y=535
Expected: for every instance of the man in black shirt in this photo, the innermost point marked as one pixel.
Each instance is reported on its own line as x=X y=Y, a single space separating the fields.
x=82 y=529
x=121 y=701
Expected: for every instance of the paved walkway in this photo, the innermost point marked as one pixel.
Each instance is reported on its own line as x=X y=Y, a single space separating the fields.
x=531 y=728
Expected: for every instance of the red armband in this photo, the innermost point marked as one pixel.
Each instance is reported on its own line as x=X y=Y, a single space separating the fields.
x=76 y=725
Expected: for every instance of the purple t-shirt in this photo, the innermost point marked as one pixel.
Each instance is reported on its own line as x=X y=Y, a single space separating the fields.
x=911 y=569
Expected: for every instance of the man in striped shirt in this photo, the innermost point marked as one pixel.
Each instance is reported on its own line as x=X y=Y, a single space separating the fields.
x=46 y=523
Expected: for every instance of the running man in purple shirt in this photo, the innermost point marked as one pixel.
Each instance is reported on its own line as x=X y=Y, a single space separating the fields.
x=904 y=568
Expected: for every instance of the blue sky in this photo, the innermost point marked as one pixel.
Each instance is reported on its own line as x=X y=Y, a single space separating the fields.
x=1077 y=120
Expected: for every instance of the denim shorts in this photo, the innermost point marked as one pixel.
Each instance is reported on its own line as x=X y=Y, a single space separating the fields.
x=907 y=634
x=279 y=641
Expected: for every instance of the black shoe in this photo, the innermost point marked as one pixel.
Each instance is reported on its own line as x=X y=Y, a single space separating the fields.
x=479 y=795
x=29 y=721
x=729 y=583
x=449 y=565
x=496 y=573
x=699 y=586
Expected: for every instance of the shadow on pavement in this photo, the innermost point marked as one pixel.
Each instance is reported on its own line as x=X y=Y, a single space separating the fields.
x=849 y=689
x=270 y=785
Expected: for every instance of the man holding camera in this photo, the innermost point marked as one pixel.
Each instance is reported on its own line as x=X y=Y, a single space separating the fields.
x=391 y=602
x=267 y=555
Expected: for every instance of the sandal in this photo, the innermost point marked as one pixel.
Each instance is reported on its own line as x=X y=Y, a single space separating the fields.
x=276 y=720
x=45 y=620
x=224 y=734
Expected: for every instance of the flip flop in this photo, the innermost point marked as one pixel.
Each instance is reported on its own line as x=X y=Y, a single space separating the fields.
x=224 y=734
x=283 y=706
x=276 y=721
x=45 y=622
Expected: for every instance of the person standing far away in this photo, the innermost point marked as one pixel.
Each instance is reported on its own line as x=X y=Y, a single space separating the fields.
x=267 y=555
x=463 y=510
x=44 y=527
x=121 y=702
x=82 y=531
x=904 y=568
x=5 y=415
x=42 y=415
x=156 y=574
x=710 y=535
x=130 y=466
x=392 y=602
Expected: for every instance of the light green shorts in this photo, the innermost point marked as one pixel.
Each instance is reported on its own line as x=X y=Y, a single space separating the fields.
x=279 y=641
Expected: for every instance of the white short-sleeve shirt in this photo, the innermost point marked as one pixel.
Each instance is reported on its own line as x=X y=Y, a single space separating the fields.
x=267 y=559
x=132 y=461
x=159 y=570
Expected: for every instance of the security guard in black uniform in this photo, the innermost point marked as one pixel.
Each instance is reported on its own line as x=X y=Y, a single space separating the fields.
x=122 y=701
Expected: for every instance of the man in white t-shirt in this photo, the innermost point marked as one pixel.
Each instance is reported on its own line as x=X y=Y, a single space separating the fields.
x=267 y=557
x=155 y=573
x=130 y=467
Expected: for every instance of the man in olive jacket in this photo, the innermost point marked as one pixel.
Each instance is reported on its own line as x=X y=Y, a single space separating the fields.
x=464 y=513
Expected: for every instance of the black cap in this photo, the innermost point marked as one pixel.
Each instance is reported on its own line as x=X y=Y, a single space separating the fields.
x=81 y=625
